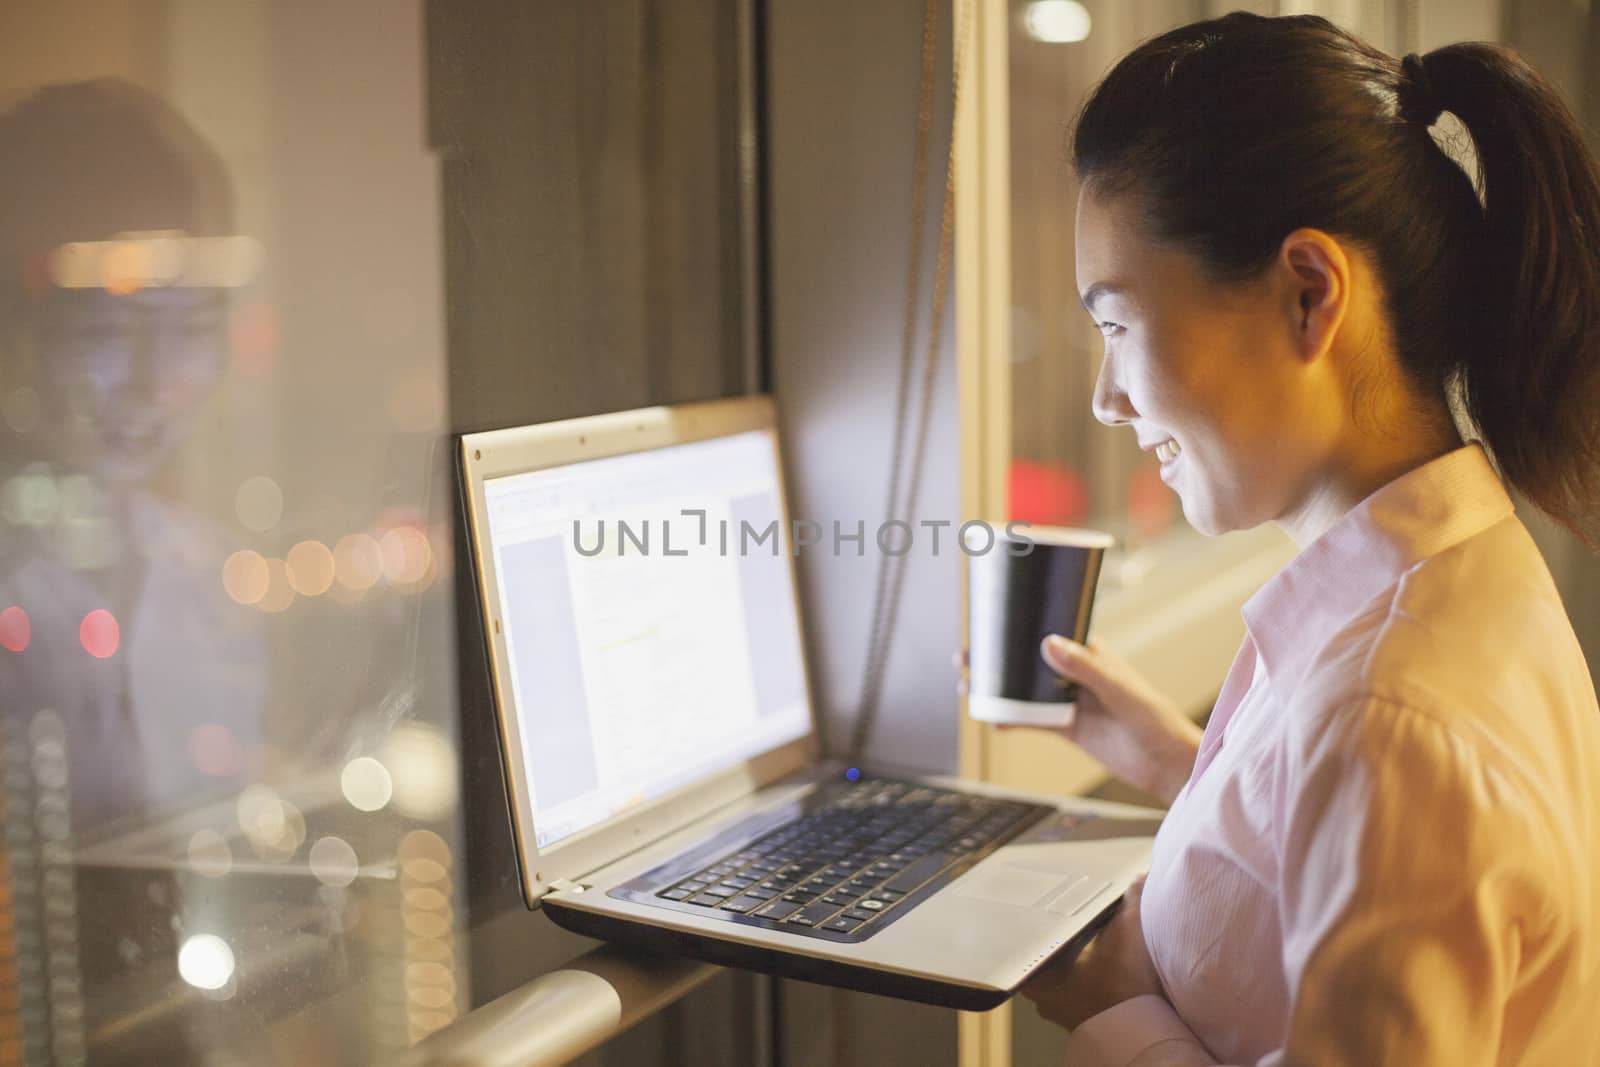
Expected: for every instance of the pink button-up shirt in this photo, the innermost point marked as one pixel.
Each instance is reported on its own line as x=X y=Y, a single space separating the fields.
x=1389 y=848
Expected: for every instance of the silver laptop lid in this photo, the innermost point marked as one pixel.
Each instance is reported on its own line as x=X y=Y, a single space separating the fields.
x=638 y=590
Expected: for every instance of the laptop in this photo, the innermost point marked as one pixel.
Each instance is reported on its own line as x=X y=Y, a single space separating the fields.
x=636 y=574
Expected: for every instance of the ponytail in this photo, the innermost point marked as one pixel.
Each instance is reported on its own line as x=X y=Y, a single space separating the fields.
x=1531 y=379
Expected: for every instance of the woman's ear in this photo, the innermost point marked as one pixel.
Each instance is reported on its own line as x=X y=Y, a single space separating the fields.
x=1317 y=273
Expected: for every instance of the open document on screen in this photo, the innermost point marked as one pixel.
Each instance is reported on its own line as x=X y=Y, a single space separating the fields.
x=650 y=622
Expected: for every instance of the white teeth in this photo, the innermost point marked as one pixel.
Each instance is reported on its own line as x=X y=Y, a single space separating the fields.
x=1168 y=450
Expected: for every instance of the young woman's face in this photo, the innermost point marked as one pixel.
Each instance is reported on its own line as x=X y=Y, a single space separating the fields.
x=1209 y=370
x=124 y=375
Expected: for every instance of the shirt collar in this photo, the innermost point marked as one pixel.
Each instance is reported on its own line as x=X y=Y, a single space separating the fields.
x=1419 y=514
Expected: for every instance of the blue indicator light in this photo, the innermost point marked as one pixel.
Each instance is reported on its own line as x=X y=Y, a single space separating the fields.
x=852 y=774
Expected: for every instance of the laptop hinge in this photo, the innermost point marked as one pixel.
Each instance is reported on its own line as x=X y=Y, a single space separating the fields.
x=561 y=885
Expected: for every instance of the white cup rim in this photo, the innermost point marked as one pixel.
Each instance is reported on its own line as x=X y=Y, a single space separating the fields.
x=1063 y=536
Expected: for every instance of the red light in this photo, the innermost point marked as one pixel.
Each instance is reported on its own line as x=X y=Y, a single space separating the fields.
x=15 y=629
x=100 y=634
x=1151 y=505
x=1048 y=494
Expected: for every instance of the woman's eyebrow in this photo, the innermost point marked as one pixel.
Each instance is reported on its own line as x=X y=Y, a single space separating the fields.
x=1092 y=295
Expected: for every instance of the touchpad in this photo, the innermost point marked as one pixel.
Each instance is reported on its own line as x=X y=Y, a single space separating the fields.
x=1007 y=883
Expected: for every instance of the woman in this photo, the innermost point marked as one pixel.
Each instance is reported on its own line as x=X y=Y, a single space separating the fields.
x=1385 y=848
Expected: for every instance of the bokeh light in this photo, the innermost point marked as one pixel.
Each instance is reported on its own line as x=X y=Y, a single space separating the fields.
x=100 y=634
x=205 y=961
x=261 y=813
x=428 y=918
x=289 y=839
x=422 y=765
x=358 y=562
x=209 y=854
x=407 y=556
x=246 y=577
x=310 y=567
x=30 y=498
x=427 y=923
x=15 y=629
x=1057 y=21
x=333 y=861
x=258 y=503
x=274 y=827
x=280 y=594
x=366 y=784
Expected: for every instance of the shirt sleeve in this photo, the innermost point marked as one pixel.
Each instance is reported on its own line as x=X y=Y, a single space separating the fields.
x=1410 y=869
x=1143 y=1031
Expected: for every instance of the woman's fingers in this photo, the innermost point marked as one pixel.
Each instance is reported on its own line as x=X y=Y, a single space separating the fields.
x=1089 y=666
x=1073 y=662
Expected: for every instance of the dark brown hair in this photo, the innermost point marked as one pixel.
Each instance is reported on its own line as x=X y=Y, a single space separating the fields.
x=1233 y=132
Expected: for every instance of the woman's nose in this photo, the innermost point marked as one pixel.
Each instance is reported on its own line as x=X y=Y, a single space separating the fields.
x=1110 y=402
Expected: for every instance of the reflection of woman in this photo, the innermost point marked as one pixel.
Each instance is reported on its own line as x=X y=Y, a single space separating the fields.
x=1386 y=846
x=107 y=358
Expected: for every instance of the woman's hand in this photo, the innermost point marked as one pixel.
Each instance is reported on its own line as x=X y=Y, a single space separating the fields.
x=1121 y=720
x=1113 y=967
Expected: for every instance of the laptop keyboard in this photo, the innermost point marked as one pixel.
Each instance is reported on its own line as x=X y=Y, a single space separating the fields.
x=856 y=862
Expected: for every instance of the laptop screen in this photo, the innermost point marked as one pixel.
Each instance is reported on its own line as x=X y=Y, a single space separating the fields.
x=650 y=622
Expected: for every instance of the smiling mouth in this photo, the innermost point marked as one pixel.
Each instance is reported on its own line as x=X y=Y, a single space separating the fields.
x=1167 y=451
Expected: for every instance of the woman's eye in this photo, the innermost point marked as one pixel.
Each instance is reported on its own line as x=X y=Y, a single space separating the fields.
x=1109 y=328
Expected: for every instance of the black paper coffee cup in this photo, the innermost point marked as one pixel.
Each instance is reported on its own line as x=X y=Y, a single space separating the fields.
x=1033 y=581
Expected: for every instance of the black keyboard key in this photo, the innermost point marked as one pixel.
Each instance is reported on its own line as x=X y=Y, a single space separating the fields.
x=860 y=914
x=842 y=924
x=723 y=891
x=840 y=898
x=739 y=883
x=742 y=904
x=777 y=909
x=693 y=886
x=812 y=914
x=705 y=900
x=888 y=895
x=762 y=892
x=800 y=897
x=676 y=894
x=872 y=905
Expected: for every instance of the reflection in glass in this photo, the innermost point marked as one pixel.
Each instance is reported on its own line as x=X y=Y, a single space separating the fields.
x=117 y=343
x=220 y=571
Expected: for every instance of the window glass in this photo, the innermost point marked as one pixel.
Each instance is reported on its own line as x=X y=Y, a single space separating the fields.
x=259 y=262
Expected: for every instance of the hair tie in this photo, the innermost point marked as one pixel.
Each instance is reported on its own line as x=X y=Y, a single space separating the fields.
x=1416 y=97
